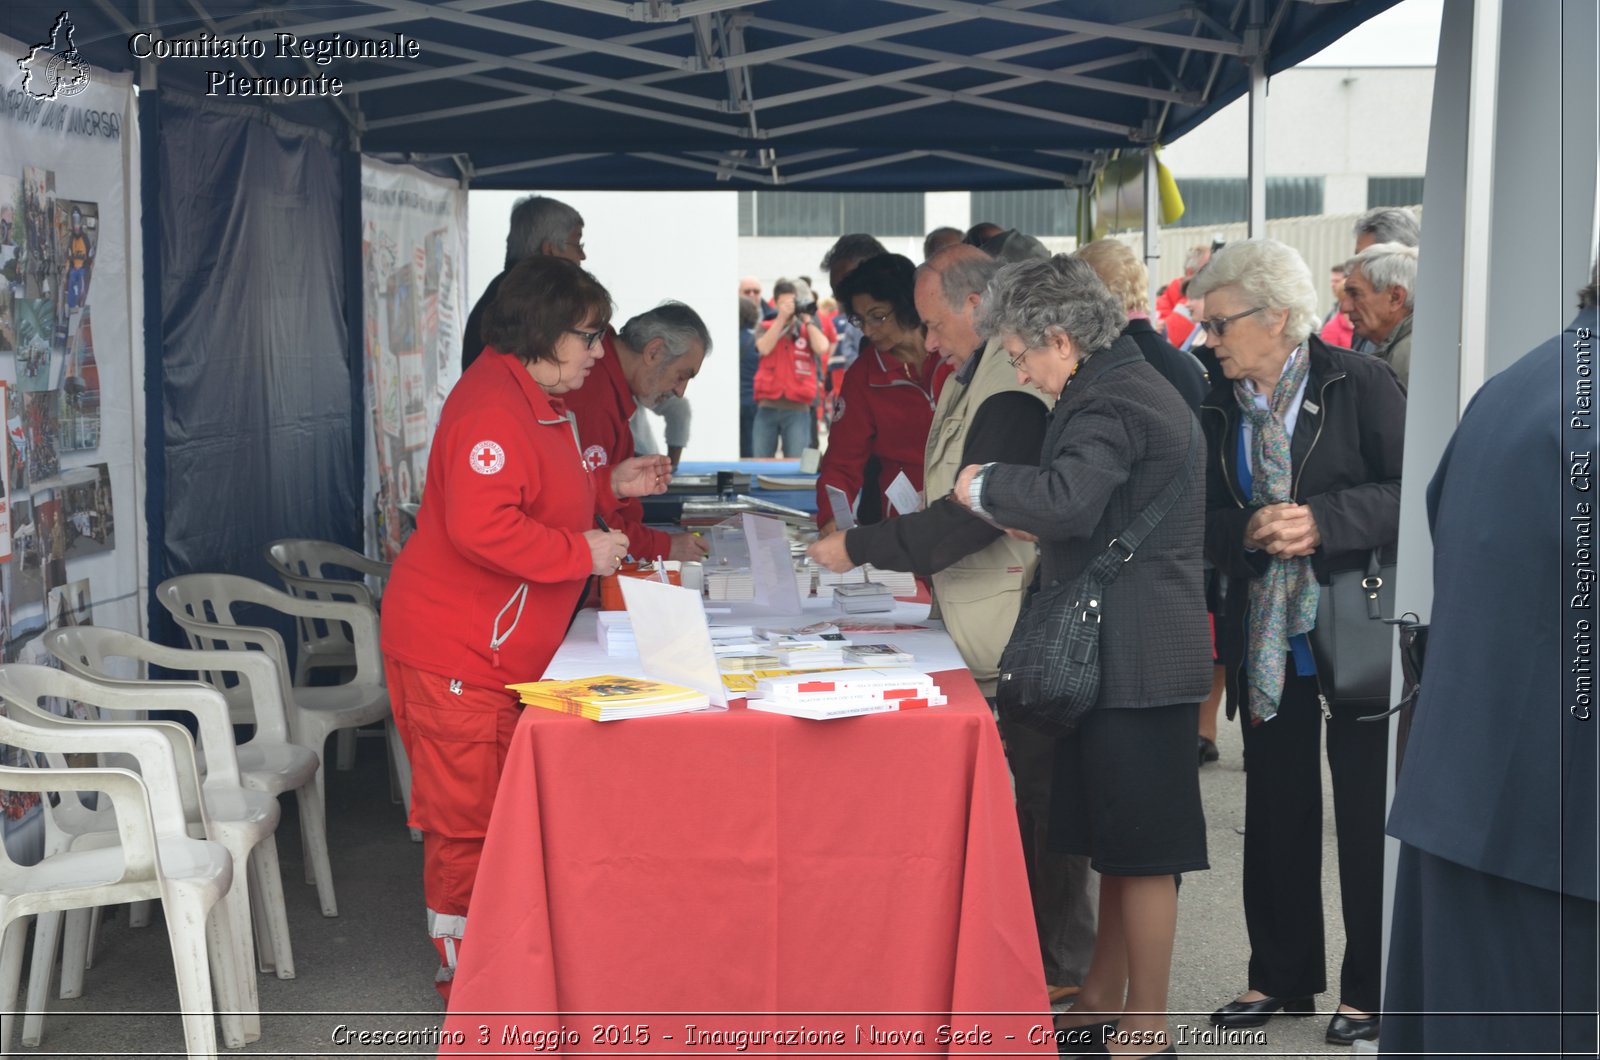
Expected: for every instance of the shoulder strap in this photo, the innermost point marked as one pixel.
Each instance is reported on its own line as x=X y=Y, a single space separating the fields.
x=1126 y=543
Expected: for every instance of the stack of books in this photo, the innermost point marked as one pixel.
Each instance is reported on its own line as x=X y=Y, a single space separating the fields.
x=845 y=693
x=815 y=647
x=611 y=698
x=898 y=582
x=745 y=664
x=736 y=640
x=787 y=482
x=614 y=631
x=857 y=598
x=809 y=656
x=735 y=584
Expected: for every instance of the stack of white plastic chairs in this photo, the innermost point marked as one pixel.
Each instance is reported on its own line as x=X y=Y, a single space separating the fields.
x=169 y=834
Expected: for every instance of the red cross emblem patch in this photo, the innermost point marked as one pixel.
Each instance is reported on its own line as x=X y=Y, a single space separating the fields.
x=487 y=458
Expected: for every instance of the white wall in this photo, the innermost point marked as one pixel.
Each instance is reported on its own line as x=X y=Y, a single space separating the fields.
x=1342 y=123
x=647 y=248
x=772 y=258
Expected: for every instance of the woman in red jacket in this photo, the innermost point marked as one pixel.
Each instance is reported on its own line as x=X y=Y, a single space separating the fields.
x=886 y=401
x=506 y=538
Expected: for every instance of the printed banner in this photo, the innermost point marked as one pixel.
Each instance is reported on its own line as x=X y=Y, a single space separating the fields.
x=414 y=256
x=71 y=374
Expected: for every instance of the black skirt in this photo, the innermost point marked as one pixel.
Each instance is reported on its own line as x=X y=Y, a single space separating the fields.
x=1127 y=792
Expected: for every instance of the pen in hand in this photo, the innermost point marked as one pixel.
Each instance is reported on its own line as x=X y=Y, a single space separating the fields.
x=601 y=523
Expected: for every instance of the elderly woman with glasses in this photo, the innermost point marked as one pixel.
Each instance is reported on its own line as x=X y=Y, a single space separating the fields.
x=1126 y=790
x=506 y=538
x=886 y=401
x=1303 y=481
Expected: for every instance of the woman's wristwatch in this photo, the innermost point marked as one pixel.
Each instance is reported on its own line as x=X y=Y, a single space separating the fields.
x=975 y=490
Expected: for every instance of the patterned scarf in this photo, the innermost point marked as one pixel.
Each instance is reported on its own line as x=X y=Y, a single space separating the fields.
x=1283 y=601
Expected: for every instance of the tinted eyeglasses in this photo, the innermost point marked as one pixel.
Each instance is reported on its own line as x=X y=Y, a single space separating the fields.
x=590 y=338
x=875 y=319
x=1218 y=326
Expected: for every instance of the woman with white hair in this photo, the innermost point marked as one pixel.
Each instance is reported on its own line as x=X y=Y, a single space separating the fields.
x=1303 y=481
x=1126 y=789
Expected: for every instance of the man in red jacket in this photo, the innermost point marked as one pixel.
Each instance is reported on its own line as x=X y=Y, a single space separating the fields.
x=1172 y=297
x=653 y=357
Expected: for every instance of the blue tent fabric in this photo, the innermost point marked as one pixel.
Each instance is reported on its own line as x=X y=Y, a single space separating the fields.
x=252 y=223
x=1008 y=94
x=255 y=363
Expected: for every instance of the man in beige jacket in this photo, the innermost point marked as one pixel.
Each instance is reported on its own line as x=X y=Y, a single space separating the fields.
x=980 y=575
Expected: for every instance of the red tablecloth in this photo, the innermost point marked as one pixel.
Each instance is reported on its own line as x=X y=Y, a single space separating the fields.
x=739 y=881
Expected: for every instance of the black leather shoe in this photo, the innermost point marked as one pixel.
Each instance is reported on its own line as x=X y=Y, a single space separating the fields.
x=1208 y=751
x=1345 y=1029
x=1256 y=1013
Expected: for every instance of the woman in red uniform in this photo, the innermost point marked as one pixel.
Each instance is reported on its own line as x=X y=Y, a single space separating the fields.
x=886 y=402
x=506 y=537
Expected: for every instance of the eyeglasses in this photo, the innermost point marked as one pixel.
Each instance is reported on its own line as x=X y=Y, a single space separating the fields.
x=1016 y=362
x=875 y=319
x=590 y=338
x=1218 y=326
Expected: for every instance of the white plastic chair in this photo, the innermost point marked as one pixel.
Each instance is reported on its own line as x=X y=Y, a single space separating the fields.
x=217 y=807
x=309 y=569
x=320 y=570
x=268 y=762
x=203 y=605
x=153 y=858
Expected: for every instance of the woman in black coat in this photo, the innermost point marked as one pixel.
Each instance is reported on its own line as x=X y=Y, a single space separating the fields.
x=1126 y=790
x=1303 y=480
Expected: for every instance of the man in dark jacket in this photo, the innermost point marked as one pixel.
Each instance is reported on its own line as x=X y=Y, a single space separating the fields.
x=1495 y=807
x=539 y=225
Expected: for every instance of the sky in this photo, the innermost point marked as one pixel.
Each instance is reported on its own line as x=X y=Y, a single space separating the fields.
x=1405 y=35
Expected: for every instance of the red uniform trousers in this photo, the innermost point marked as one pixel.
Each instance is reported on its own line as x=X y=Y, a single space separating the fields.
x=456 y=736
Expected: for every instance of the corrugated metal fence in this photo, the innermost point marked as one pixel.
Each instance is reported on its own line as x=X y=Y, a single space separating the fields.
x=1323 y=241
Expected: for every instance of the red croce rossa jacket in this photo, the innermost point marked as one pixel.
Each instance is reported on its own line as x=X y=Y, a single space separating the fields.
x=484 y=588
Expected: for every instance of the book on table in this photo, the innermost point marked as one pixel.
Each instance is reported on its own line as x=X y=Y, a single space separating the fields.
x=816 y=633
x=877 y=655
x=845 y=693
x=614 y=631
x=809 y=656
x=863 y=597
x=787 y=482
x=732 y=664
x=608 y=697
x=820 y=711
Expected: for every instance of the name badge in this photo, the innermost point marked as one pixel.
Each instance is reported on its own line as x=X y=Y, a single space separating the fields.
x=1311 y=407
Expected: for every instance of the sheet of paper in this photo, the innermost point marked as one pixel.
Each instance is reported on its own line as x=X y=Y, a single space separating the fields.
x=905 y=497
x=774 y=591
x=669 y=624
x=844 y=517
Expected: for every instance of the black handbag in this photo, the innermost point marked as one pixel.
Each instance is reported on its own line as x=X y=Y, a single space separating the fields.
x=1050 y=668
x=1352 y=642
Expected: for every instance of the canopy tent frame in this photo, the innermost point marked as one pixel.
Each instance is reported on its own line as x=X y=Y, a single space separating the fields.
x=806 y=90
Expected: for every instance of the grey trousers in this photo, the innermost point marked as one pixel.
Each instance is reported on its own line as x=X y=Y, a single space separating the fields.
x=1066 y=891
